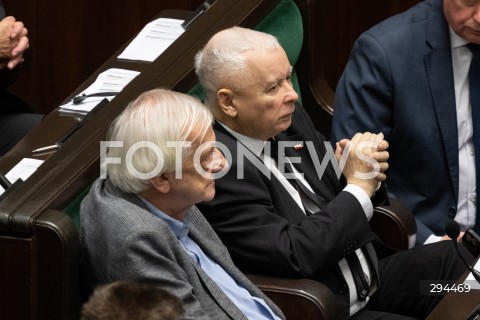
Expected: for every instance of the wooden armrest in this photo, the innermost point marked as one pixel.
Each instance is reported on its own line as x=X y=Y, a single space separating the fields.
x=395 y=225
x=298 y=298
x=57 y=258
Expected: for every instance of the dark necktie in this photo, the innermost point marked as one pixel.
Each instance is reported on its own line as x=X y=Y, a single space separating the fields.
x=359 y=277
x=474 y=80
x=312 y=202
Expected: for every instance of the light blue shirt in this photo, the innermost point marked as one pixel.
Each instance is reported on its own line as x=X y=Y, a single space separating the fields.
x=252 y=307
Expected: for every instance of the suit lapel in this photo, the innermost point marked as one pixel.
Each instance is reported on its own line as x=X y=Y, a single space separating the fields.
x=374 y=262
x=442 y=87
x=218 y=295
x=307 y=166
x=213 y=248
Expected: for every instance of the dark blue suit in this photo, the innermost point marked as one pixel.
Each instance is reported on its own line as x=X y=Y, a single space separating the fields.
x=399 y=81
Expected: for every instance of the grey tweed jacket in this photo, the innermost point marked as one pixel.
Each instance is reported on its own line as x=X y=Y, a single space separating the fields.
x=121 y=240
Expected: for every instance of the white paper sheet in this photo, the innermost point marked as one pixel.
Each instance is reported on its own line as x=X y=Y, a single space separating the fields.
x=471 y=280
x=154 y=38
x=110 y=80
x=24 y=169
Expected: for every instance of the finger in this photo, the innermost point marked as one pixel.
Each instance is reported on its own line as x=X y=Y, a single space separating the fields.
x=338 y=151
x=357 y=137
x=21 y=46
x=375 y=139
x=381 y=177
x=384 y=166
x=17 y=30
x=380 y=155
x=343 y=143
x=14 y=62
x=383 y=145
x=352 y=145
x=367 y=143
x=366 y=136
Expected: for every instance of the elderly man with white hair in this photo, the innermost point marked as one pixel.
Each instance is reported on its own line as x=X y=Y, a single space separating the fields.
x=141 y=221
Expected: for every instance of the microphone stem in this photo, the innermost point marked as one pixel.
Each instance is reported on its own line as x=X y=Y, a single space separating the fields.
x=474 y=272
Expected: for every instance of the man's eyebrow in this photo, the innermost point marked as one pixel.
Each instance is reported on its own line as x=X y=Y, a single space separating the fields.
x=273 y=82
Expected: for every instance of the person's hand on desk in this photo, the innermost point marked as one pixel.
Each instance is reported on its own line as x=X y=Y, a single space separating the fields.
x=13 y=42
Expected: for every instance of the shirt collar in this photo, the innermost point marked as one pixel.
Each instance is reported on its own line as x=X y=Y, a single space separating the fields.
x=455 y=40
x=254 y=145
x=180 y=228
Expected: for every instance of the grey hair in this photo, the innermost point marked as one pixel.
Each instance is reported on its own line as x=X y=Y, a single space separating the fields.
x=157 y=116
x=224 y=63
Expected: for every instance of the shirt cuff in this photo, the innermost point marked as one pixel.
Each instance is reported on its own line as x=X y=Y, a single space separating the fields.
x=362 y=197
x=432 y=239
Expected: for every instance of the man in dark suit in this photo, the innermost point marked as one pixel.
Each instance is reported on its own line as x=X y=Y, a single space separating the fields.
x=16 y=116
x=275 y=226
x=408 y=78
x=141 y=223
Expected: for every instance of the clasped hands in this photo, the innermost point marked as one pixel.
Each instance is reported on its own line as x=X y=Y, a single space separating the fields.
x=13 y=42
x=364 y=160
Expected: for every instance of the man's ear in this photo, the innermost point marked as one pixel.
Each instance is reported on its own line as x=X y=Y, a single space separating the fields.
x=226 y=104
x=161 y=183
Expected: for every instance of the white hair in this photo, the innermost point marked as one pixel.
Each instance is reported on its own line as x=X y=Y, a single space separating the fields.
x=157 y=116
x=222 y=61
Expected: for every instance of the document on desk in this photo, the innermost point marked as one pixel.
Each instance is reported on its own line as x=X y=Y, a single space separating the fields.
x=24 y=169
x=154 y=38
x=111 y=80
x=471 y=280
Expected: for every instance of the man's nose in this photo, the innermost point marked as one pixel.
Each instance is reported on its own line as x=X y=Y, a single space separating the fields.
x=218 y=162
x=476 y=14
x=292 y=94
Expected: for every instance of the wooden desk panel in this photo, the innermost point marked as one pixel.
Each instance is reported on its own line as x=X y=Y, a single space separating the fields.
x=17 y=257
x=71 y=168
x=78 y=36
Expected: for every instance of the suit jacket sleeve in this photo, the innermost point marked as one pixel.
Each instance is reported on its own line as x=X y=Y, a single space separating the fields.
x=364 y=100
x=141 y=257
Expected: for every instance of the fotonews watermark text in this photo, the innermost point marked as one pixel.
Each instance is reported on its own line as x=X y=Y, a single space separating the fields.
x=289 y=153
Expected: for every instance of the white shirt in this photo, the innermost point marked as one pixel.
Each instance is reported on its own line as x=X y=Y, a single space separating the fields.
x=256 y=147
x=466 y=207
